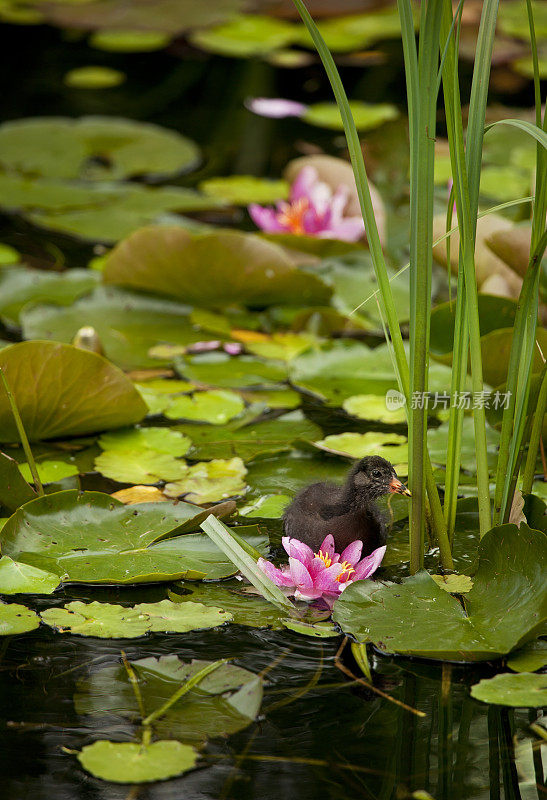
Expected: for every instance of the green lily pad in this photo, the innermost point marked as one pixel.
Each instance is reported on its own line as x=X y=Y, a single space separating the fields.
x=16 y=619
x=494 y=312
x=8 y=255
x=210 y=269
x=162 y=440
x=107 y=621
x=505 y=183
x=117 y=41
x=49 y=471
x=58 y=147
x=525 y=690
x=20 y=286
x=214 y=707
x=343 y=369
x=131 y=762
x=233 y=372
x=93 y=77
x=270 y=506
x=367 y=116
x=246 y=35
x=454 y=584
x=216 y=407
x=246 y=609
x=140 y=466
x=513 y=19
x=14 y=490
x=93 y=538
x=169 y=617
x=399 y=618
x=530 y=658
x=209 y=481
x=287 y=473
x=357 y=31
x=61 y=390
x=374 y=408
x=128 y=325
x=318 y=630
x=437 y=442
x=240 y=190
x=280 y=346
x=250 y=440
x=274 y=398
x=16 y=578
x=387 y=445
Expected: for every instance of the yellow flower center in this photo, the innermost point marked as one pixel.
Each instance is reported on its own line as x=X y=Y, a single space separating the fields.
x=327 y=561
x=347 y=572
x=292 y=215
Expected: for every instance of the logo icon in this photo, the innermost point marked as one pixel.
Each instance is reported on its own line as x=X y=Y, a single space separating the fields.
x=394 y=400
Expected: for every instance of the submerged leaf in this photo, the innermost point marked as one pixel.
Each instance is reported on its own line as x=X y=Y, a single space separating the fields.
x=132 y=762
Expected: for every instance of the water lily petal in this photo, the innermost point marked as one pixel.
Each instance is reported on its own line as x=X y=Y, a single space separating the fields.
x=328 y=545
x=275 y=107
x=369 y=564
x=303 y=184
x=297 y=549
x=273 y=573
x=265 y=218
x=326 y=580
x=300 y=576
x=348 y=229
x=352 y=553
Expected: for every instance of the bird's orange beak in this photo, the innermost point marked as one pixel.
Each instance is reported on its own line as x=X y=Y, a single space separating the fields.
x=396 y=487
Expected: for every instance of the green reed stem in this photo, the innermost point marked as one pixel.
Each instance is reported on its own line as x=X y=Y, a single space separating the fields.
x=22 y=435
x=382 y=275
x=182 y=690
x=535 y=435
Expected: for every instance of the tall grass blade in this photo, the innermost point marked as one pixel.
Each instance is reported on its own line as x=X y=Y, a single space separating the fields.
x=378 y=260
x=221 y=535
x=535 y=436
x=22 y=435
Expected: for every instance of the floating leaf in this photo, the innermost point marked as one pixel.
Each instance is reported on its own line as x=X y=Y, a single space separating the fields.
x=216 y=407
x=400 y=617
x=8 y=255
x=359 y=445
x=107 y=621
x=117 y=41
x=14 y=490
x=209 y=481
x=16 y=619
x=128 y=325
x=270 y=506
x=49 y=471
x=374 y=408
x=494 y=313
x=211 y=269
x=525 y=690
x=530 y=658
x=280 y=346
x=251 y=440
x=58 y=147
x=169 y=617
x=139 y=466
x=139 y=494
x=454 y=584
x=246 y=35
x=162 y=440
x=16 y=578
x=93 y=77
x=131 y=762
x=61 y=390
x=318 y=630
x=93 y=538
x=287 y=473
x=366 y=115
x=220 y=369
x=210 y=709
x=246 y=609
x=20 y=286
x=240 y=190
x=358 y=31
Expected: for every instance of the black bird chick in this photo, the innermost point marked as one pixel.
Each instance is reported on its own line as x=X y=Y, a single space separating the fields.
x=347 y=512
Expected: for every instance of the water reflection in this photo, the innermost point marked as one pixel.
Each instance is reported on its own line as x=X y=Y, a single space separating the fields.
x=320 y=734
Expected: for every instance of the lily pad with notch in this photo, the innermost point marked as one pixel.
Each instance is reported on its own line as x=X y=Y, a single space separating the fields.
x=15 y=619
x=210 y=481
x=524 y=690
x=91 y=537
x=399 y=618
x=133 y=762
x=18 y=578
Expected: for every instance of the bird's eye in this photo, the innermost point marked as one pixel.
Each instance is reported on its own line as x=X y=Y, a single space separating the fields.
x=376 y=474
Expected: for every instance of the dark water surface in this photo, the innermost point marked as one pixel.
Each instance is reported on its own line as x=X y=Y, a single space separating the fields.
x=321 y=734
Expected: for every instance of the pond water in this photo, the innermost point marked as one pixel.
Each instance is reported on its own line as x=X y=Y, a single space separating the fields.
x=320 y=732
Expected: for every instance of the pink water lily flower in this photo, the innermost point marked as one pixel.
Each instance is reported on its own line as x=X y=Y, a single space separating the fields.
x=323 y=575
x=275 y=107
x=313 y=209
